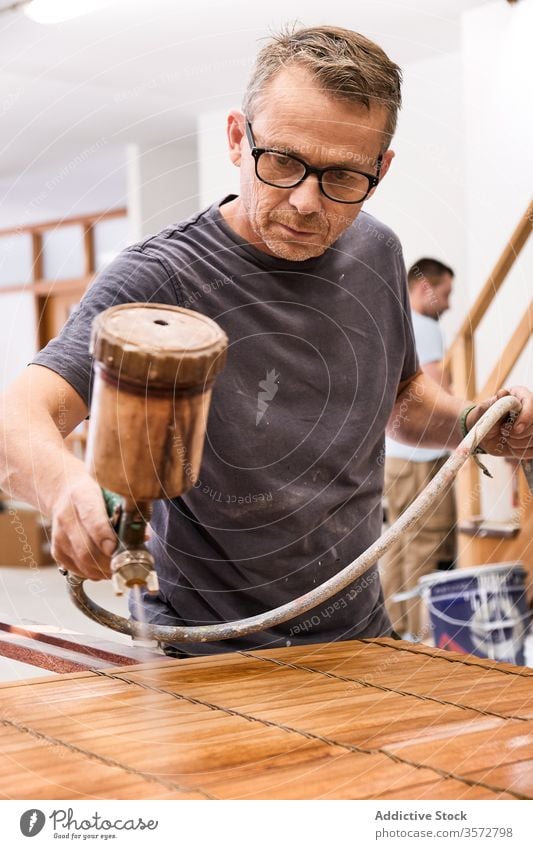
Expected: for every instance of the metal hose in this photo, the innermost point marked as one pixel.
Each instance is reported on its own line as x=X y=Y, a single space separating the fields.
x=228 y=630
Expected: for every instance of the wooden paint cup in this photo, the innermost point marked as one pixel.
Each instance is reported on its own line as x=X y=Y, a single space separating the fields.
x=154 y=367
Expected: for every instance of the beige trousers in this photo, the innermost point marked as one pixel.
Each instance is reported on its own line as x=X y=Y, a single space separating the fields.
x=420 y=549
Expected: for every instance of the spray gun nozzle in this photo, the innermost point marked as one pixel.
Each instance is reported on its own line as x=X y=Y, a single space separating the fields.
x=134 y=567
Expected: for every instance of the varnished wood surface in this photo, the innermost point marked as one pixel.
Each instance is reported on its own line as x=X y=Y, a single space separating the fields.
x=374 y=719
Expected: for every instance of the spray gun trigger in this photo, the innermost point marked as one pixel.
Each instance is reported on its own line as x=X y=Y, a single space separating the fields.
x=113 y=503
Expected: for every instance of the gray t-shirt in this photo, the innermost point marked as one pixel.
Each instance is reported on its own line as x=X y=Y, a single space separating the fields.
x=291 y=478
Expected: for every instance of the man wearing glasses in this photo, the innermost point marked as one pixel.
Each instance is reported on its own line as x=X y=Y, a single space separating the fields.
x=311 y=292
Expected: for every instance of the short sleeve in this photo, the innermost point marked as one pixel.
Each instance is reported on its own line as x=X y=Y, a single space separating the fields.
x=410 y=361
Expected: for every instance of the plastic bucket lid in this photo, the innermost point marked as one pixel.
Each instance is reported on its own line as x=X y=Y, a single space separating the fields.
x=481 y=610
x=474 y=572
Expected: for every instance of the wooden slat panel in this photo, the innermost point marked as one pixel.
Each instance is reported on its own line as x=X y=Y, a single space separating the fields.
x=445 y=788
x=354 y=720
x=517 y=777
x=489 y=691
x=314 y=771
x=33 y=770
x=325 y=707
x=474 y=750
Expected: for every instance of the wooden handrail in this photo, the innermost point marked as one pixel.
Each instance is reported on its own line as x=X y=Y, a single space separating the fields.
x=40 y=286
x=52 y=298
x=50 y=286
x=92 y=218
x=495 y=280
x=61 y=287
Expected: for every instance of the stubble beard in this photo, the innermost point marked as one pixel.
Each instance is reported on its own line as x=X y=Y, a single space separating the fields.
x=295 y=251
x=286 y=248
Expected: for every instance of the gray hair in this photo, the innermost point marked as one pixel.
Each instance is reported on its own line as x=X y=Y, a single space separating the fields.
x=344 y=63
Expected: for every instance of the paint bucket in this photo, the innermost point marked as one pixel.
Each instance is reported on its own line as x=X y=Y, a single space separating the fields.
x=481 y=611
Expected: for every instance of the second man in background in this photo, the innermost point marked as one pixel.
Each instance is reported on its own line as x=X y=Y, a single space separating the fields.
x=430 y=545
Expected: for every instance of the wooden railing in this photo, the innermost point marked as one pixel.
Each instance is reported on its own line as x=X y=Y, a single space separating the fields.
x=460 y=360
x=54 y=299
x=52 y=296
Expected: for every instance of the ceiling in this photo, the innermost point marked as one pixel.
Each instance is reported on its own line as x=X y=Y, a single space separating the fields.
x=143 y=69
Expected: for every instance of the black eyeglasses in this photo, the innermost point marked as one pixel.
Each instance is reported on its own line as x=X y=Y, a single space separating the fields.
x=285 y=171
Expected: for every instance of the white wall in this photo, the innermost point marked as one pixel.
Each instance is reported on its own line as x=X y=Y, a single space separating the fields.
x=498 y=93
x=162 y=184
x=87 y=180
x=17 y=334
x=422 y=197
x=218 y=176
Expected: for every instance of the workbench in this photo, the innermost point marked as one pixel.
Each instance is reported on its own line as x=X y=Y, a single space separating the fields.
x=367 y=719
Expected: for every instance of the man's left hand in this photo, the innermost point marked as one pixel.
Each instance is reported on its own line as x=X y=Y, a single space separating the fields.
x=513 y=435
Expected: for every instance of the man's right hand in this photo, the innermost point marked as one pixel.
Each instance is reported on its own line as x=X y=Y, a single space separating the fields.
x=36 y=413
x=82 y=537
